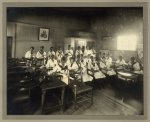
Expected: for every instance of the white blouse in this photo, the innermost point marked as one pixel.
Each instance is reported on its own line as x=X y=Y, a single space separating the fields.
x=122 y=62
x=29 y=55
x=98 y=74
x=69 y=52
x=40 y=56
x=51 y=53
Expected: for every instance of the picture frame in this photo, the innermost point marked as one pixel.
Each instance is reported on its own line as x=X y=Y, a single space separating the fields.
x=43 y=34
x=78 y=117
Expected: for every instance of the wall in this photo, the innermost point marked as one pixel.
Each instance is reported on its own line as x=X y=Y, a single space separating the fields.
x=109 y=27
x=26 y=31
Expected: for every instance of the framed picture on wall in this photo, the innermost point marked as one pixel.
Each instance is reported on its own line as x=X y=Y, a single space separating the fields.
x=43 y=34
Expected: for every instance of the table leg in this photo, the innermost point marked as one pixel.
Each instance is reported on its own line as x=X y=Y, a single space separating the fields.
x=43 y=100
x=62 y=99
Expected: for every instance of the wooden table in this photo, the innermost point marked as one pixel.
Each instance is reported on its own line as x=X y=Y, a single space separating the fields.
x=49 y=85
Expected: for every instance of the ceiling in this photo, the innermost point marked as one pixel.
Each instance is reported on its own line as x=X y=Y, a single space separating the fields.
x=72 y=11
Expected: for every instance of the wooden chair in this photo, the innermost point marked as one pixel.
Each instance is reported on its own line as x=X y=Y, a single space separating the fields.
x=81 y=91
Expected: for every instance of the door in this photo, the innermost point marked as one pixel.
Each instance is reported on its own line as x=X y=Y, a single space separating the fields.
x=9 y=47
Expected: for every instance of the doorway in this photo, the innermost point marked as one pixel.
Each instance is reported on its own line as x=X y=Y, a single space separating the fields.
x=9 y=46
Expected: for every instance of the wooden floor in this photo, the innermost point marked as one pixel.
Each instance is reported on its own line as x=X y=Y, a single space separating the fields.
x=107 y=101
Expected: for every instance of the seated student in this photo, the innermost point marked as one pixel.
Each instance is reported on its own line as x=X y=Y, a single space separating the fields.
x=108 y=60
x=88 y=59
x=75 y=68
x=84 y=73
x=93 y=52
x=67 y=59
x=69 y=51
x=64 y=72
x=59 y=54
x=63 y=64
x=85 y=51
x=94 y=71
x=83 y=60
x=103 y=55
x=72 y=65
x=101 y=60
x=102 y=64
x=78 y=51
x=107 y=70
x=41 y=55
x=120 y=63
x=51 y=52
x=134 y=65
x=52 y=66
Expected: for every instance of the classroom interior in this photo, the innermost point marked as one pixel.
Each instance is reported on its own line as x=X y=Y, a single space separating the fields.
x=110 y=31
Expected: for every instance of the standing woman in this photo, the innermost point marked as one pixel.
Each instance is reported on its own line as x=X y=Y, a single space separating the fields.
x=83 y=50
x=51 y=52
x=78 y=52
x=93 y=52
x=59 y=54
x=86 y=51
x=69 y=52
x=41 y=56
x=30 y=56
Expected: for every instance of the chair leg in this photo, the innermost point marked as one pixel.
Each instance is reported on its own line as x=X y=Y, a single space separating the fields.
x=92 y=97
x=75 y=101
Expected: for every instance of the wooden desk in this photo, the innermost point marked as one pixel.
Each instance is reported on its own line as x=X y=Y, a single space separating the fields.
x=128 y=80
x=127 y=76
x=49 y=85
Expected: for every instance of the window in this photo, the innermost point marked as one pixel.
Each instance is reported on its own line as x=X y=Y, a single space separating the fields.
x=127 y=42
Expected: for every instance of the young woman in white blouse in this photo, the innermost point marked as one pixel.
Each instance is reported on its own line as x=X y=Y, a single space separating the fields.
x=135 y=65
x=64 y=72
x=51 y=52
x=75 y=68
x=41 y=56
x=69 y=52
x=30 y=56
x=84 y=73
x=52 y=65
x=78 y=51
x=105 y=66
x=59 y=54
x=120 y=63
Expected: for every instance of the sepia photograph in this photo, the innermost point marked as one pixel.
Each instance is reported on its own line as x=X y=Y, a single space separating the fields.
x=75 y=61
